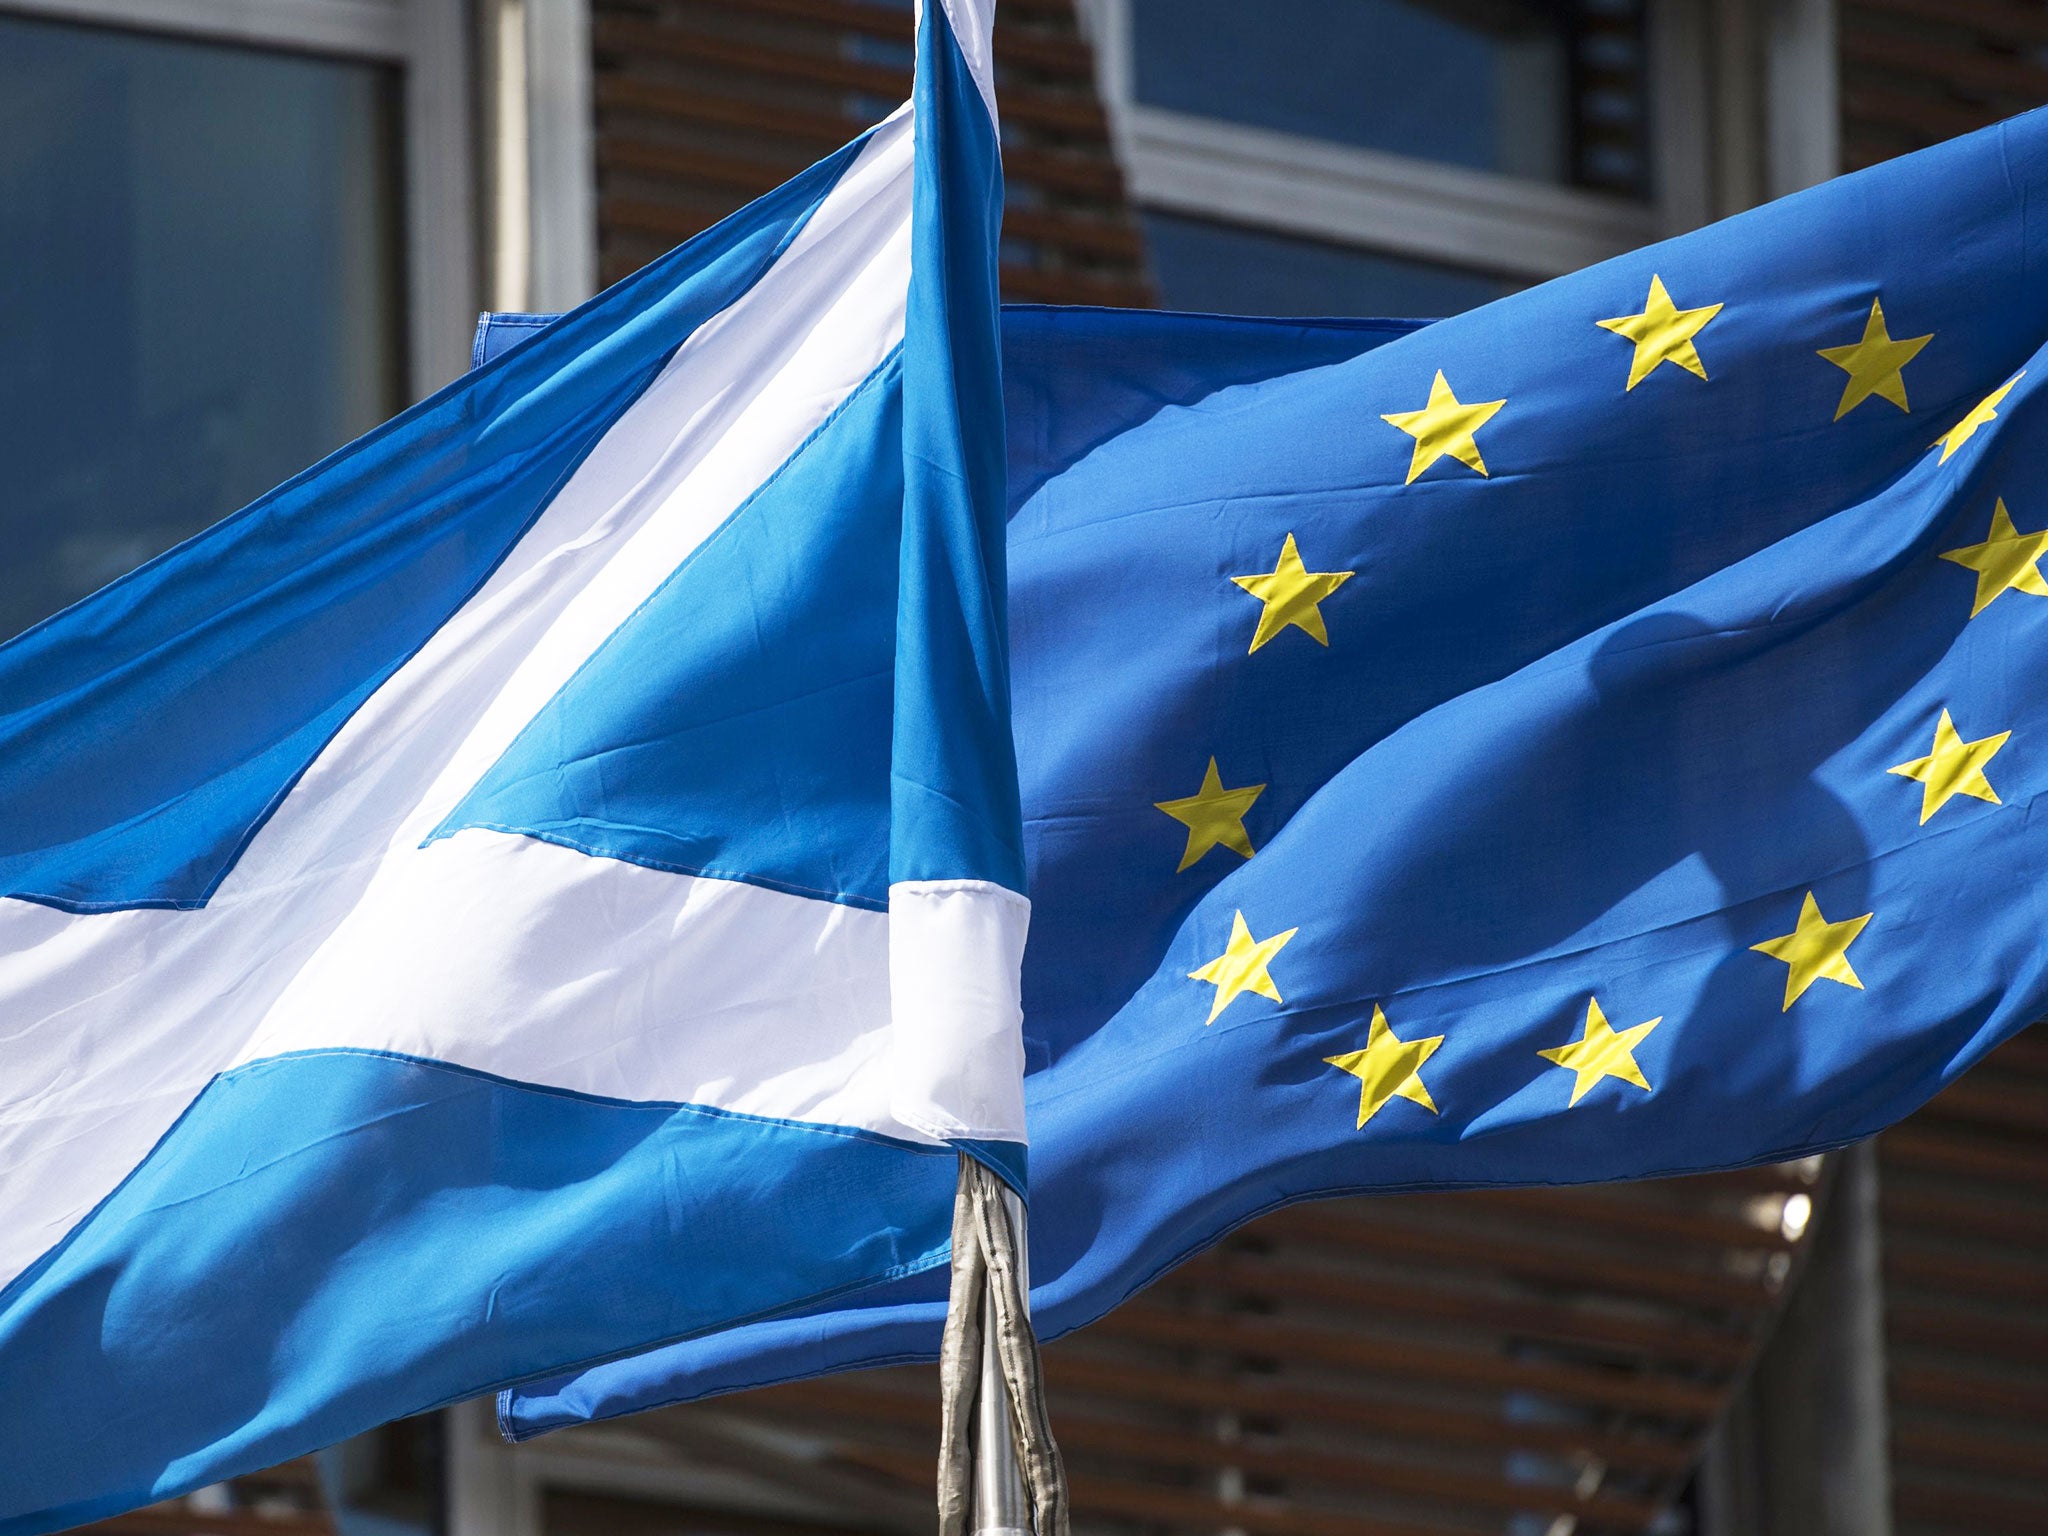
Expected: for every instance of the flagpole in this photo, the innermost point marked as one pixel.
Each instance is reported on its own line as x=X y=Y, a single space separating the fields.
x=999 y=1470
x=1001 y=1506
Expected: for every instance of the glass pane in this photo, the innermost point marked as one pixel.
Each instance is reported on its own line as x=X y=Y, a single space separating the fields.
x=1544 y=89
x=200 y=258
x=1220 y=267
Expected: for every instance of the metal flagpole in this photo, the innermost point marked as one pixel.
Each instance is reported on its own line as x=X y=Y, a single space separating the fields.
x=999 y=1470
x=1001 y=1506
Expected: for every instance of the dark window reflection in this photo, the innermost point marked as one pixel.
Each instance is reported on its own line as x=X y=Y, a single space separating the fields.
x=200 y=289
x=1549 y=90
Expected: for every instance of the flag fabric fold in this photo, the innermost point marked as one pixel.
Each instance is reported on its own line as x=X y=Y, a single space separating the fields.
x=1589 y=738
x=546 y=880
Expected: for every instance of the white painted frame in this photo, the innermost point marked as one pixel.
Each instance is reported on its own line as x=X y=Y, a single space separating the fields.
x=561 y=136
x=541 y=155
x=1311 y=187
x=429 y=40
x=1371 y=200
x=1802 y=95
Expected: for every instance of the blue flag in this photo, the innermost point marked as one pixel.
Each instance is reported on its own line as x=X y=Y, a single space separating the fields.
x=547 y=880
x=1590 y=738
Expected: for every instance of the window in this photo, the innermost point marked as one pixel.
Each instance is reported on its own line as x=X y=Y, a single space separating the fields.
x=1483 y=86
x=1383 y=156
x=214 y=275
x=202 y=259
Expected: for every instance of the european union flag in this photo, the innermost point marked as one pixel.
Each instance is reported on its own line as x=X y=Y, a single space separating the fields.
x=1590 y=738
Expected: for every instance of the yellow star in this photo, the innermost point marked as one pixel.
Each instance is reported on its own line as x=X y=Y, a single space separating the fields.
x=1444 y=426
x=1954 y=767
x=1291 y=593
x=1242 y=966
x=1387 y=1068
x=2004 y=562
x=1662 y=333
x=1214 y=816
x=1875 y=364
x=1600 y=1052
x=1983 y=413
x=1816 y=949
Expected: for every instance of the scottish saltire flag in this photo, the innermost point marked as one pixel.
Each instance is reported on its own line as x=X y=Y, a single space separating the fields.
x=1596 y=736
x=545 y=881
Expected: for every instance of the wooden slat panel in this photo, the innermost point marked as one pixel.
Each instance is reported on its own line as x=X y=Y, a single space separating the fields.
x=284 y=1500
x=1940 y=1324
x=820 y=132
x=1389 y=1366
x=1674 y=1337
x=1914 y=72
x=2013 y=21
x=703 y=104
x=1970 y=1214
x=675 y=221
x=908 y=1396
x=1963 y=1275
x=1161 y=1506
x=618 y=38
x=1983 y=1393
x=1395 y=1469
x=1964 y=1233
x=1978 y=1510
x=1096 y=237
x=1030 y=285
x=1956 y=65
x=1059 y=54
x=1089 y=175
x=1398 y=1361
x=1985 y=1166
x=627 y=39
x=1540 y=1252
x=159 y=1521
x=1623 y=1209
x=1941 y=1447
x=1921 y=120
x=747 y=176
x=1400 y=1418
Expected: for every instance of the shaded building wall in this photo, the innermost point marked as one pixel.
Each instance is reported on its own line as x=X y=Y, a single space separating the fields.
x=1951 y=1226
x=702 y=105
x=1962 y=1200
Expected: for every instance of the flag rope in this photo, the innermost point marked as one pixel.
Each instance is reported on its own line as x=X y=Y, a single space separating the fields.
x=1000 y=1472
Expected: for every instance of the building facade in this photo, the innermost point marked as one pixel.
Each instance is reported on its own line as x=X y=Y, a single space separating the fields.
x=236 y=233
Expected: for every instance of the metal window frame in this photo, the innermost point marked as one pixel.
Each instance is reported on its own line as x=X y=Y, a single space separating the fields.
x=429 y=42
x=1365 y=199
x=541 y=153
x=1371 y=200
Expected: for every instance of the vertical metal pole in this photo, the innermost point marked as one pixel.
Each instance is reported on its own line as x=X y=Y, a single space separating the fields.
x=1000 y=1505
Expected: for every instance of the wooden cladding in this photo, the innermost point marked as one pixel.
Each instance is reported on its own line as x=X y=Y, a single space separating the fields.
x=1421 y=1365
x=703 y=105
x=283 y=1501
x=1963 y=1187
x=1915 y=72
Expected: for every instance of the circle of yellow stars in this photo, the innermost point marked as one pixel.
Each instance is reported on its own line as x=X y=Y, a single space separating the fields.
x=1446 y=429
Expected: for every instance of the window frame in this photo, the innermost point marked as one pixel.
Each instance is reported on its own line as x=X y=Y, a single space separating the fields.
x=428 y=40
x=540 y=152
x=1399 y=205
